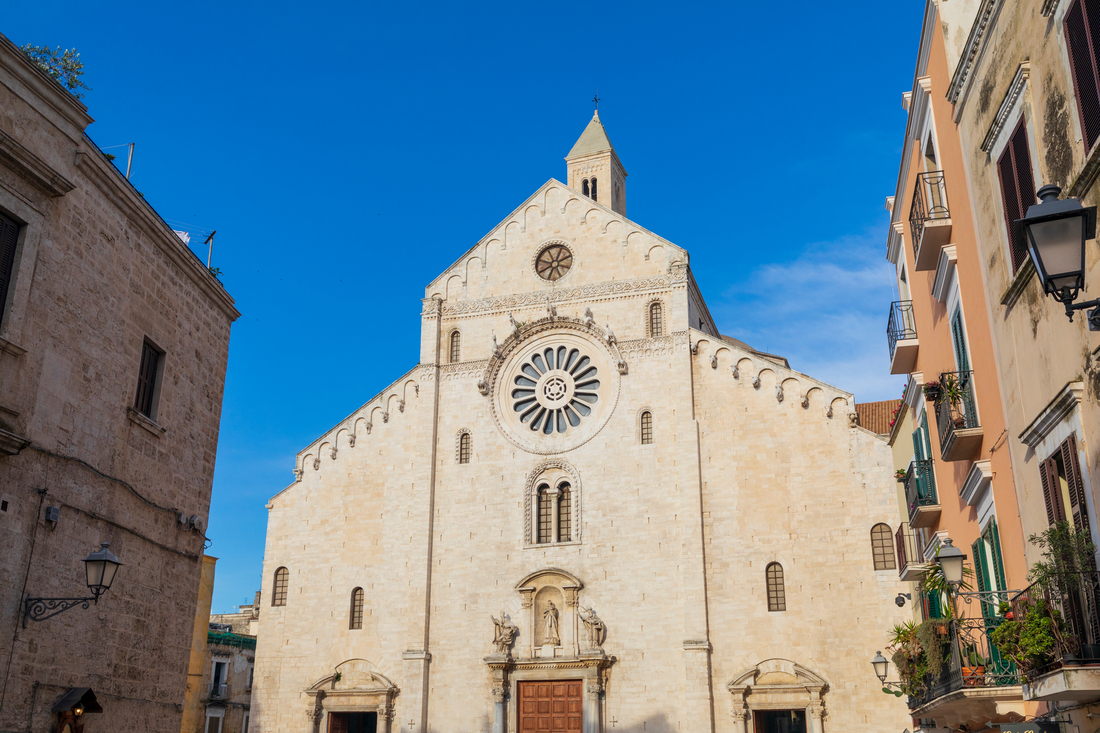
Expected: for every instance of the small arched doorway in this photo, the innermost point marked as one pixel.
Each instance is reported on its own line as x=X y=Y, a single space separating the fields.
x=778 y=696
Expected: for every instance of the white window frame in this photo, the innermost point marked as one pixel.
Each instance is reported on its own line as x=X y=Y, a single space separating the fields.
x=997 y=150
x=212 y=713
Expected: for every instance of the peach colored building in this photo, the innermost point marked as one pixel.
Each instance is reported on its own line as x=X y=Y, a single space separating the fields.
x=959 y=481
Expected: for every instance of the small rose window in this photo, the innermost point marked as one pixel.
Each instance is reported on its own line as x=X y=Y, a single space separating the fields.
x=555 y=390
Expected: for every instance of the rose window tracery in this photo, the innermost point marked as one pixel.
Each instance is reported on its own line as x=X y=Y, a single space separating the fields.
x=555 y=389
x=553 y=262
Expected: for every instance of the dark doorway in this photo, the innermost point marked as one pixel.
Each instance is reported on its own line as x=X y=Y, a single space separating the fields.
x=780 y=721
x=352 y=722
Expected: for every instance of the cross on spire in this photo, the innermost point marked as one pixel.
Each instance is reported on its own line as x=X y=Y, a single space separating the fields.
x=596 y=101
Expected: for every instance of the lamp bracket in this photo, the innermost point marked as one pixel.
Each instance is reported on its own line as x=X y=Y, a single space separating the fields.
x=40 y=609
x=1093 y=315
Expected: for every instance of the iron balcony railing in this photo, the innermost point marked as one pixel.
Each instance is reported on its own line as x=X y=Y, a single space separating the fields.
x=900 y=325
x=219 y=690
x=969 y=661
x=1077 y=603
x=955 y=407
x=929 y=204
x=920 y=486
x=907 y=546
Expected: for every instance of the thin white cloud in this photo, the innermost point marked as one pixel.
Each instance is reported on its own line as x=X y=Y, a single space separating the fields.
x=825 y=311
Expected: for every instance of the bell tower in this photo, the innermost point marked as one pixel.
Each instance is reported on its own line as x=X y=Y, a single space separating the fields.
x=593 y=168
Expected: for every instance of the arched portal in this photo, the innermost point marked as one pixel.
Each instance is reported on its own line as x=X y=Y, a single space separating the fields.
x=773 y=687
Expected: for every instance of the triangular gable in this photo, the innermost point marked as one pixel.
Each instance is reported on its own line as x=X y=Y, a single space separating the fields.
x=538 y=199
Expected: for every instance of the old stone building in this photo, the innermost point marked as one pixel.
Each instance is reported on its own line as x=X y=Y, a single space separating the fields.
x=583 y=509
x=113 y=346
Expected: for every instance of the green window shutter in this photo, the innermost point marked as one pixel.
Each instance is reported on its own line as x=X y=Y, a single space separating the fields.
x=993 y=537
x=959 y=341
x=981 y=570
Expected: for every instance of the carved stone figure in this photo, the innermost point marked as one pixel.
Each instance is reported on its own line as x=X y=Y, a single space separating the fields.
x=482 y=386
x=779 y=393
x=385 y=417
x=505 y=632
x=736 y=372
x=610 y=335
x=368 y=427
x=593 y=626
x=551 y=311
x=550 y=625
x=515 y=323
x=401 y=405
x=589 y=319
x=496 y=346
x=714 y=361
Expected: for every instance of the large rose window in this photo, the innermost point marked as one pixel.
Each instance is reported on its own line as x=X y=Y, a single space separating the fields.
x=555 y=389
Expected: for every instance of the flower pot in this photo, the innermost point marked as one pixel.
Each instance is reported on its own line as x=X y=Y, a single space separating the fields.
x=941 y=629
x=932 y=395
x=960 y=422
x=1009 y=615
x=973 y=676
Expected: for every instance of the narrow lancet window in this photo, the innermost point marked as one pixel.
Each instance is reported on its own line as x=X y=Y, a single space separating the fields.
x=565 y=514
x=647 y=428
x=656 y=320
x=546 y=516
x=584 y=187
x=356 y=609
x=278 y=593
x=456 y=347
x=777 y=597
x=464 y=448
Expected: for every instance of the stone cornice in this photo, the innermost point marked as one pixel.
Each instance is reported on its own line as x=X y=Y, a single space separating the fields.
x=11 y=444
x=1015 y=89
x=1063 y=404
x=976 y=483
x=107 y=179
x=978 y=33
x=1049 y=6
x=36 y=170
x=581 y=292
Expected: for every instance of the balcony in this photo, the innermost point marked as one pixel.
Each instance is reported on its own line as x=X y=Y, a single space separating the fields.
x=975 y=685
x=920 y=494
x=957 y=416
x=1073 y=670
x=901 y=333
x=929 y=220
x=909 y=565
x=219 y=691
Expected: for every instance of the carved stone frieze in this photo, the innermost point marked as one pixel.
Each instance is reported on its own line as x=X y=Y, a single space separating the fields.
x=562 y=295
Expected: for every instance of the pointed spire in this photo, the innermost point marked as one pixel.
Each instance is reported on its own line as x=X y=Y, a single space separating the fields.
x=593 y=140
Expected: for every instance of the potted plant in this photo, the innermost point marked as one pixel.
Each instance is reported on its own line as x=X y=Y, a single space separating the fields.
x=1031 y=641
x=973 y=667
x=932 y=390
x=900 y=475
x=907 y=652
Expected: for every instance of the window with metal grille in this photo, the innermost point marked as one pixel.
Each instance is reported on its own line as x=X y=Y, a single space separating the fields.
x=656 y=320
x=1082 y=27
x=647 y=427
x=565 y=514
x=777 y=598
x=882 y=546
x=1017 y=189
x=546 y=519
x=456 y=347
x=278 y=592
x=9 y=231
x=356 y=609
x=464 y=448
x=144 y=401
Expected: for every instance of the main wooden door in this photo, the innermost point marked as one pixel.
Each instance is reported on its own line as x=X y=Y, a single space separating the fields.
x=550 y=706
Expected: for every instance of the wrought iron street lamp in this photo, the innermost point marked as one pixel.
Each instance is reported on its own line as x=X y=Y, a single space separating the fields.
x=951 y=559
x=100 y=568
x=881 y=665
x=1056 y=231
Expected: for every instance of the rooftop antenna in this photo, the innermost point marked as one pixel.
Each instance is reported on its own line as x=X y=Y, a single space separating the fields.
x=210 y=251
x=129 y=161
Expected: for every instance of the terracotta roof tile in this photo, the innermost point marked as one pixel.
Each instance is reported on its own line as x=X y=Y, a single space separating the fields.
x=876 y=416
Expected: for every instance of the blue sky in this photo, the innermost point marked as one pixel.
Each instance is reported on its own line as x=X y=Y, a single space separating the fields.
x=348 y=154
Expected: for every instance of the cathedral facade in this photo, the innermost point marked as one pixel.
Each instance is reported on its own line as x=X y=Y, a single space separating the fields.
x=583 y=510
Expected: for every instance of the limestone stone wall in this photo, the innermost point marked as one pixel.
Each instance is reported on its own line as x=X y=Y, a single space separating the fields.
x=97 y=272
x=672 y=536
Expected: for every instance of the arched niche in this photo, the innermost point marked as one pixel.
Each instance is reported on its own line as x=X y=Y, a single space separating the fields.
x=537 y=591
x=777 y=684
x=355 y=686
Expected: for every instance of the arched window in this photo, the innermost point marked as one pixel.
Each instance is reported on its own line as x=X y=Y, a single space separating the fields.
x=656 y=320
x=584 y=186
x=456 y=347
x=882 y=547
x=356 y=609
x=546 y=519
x=565 y=514
x=647 y=428
x=464 y=448
x=278 y=592
x=777 y=597
x=594 y=190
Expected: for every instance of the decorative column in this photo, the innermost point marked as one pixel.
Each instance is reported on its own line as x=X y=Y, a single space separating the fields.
x=816 y=713
x=500 y=709
x=592 y=716
x=740 y=718
x=315 y=712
